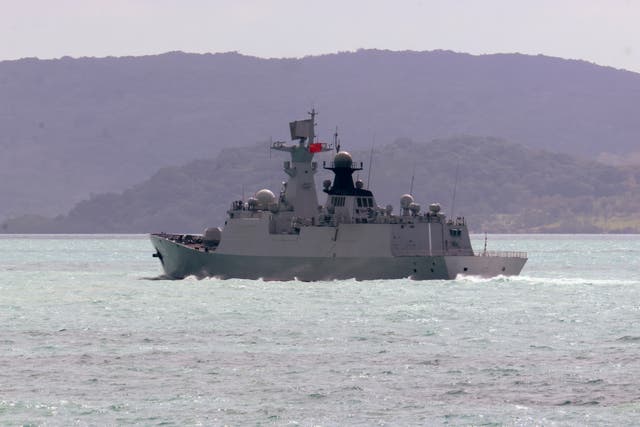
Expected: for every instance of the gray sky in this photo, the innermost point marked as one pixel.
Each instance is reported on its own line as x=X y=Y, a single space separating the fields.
x=604 y=32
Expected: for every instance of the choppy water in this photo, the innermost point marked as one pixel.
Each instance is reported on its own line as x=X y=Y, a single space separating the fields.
x=87 y=338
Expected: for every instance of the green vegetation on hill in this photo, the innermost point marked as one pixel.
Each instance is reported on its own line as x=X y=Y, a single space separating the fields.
x=72 y=127
x=500 y=187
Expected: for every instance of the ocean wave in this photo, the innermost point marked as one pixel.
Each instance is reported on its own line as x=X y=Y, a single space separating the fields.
x=541 y=280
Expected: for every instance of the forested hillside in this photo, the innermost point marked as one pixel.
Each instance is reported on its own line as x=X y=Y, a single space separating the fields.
x=72 y=127
x=500 y=187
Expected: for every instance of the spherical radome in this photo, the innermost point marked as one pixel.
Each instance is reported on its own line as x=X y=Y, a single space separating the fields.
x=406 y=200
x=265 y=196
x=342 y=160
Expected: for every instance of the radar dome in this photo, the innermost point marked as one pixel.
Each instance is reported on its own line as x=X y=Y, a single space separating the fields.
x=359 y=184
x=265 y=197
x=405 y=201
x=212 y=235
x=342 y=160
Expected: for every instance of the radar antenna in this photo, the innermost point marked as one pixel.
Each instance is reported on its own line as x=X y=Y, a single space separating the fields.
x=313 y=113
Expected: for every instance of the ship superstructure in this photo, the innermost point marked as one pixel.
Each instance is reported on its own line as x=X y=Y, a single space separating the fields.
x=291 y=236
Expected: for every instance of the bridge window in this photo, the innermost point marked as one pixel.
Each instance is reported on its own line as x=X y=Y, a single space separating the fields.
x=337 y=200
x=365 y=202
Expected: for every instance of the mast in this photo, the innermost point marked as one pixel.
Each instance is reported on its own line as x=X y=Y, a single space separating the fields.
x=371 y=162
x=300 y=193
x=312 y=133
x=413 y=176
x=455 y=185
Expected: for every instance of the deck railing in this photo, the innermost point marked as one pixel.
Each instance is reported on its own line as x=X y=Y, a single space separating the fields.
x=422 y=252
x=503 y=254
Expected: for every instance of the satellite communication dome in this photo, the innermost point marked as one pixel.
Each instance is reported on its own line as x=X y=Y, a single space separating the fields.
x=406 y=200
x=359 y=184
x=342 y=160
x=265 y=197
x=212 y=235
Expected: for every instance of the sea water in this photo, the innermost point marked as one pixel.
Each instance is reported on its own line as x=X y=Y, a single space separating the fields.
x=90 y=336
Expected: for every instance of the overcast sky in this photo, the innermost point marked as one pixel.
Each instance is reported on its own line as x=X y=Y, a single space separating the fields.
x=604 y=32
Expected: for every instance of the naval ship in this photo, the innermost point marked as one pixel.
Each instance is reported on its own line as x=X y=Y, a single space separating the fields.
x=291 y=236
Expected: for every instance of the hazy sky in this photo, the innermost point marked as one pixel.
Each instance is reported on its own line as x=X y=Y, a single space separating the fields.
x=605 y=32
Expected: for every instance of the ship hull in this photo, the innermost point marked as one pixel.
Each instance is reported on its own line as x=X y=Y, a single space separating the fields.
x=179 y=261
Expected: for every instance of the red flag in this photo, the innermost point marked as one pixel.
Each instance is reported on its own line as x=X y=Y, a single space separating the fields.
x=316 y=147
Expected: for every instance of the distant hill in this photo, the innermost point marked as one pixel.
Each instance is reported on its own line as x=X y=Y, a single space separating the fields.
x=72 y=127
x=500 y=187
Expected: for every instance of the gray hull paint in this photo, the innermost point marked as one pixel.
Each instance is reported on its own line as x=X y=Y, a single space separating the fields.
x=180 y=261
x=290 y=236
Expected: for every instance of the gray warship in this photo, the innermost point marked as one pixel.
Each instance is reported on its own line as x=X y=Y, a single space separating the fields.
x=292 y=237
